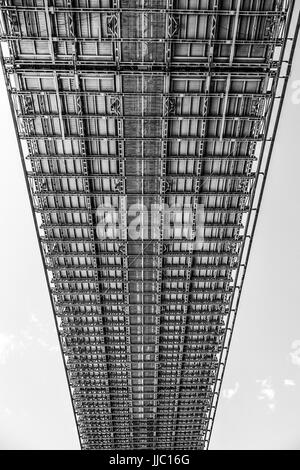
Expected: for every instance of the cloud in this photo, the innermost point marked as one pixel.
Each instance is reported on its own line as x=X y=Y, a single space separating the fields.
x=295 y=353
x=49 y=347
x=33 y=318
x=43 y=343
x=267 y=393
x=7 y=346
x=289 y=383
x=6 y=411
x=12 y=344
x=231 y=392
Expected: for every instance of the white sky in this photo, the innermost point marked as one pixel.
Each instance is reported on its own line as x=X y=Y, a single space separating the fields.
x=260 y=404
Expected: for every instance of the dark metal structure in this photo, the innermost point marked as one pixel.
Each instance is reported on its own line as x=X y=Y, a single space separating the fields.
x=145 y=102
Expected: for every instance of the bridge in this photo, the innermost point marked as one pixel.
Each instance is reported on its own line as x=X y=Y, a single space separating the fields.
x=146 y=129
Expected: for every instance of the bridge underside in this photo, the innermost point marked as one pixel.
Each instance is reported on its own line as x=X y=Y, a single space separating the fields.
x=145 y=104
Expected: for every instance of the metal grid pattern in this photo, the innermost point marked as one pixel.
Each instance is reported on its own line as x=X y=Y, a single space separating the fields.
x=121 y=102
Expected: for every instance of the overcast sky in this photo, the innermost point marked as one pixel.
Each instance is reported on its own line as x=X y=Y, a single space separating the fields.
x=260 y=403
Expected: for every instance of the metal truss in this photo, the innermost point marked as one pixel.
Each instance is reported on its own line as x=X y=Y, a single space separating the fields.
x=150 y=105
